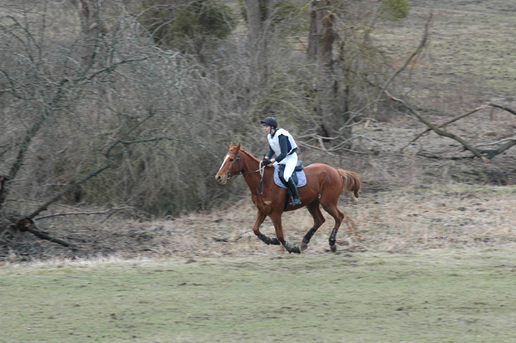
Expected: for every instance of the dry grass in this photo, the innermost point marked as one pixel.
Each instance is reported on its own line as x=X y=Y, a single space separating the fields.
x=468 y=58
x=411 y=218
x=441 y=217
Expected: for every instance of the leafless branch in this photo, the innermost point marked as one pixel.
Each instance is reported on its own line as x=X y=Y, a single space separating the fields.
x=438 y=130
x=510 y=110
x=158 y=139
x=489 y=154
x=445 y=124
x=333 y=149
x=69 y=188
x=422 y=44
x=497 y=142
x=492 y=153
x=87 y=213
x=2 y=189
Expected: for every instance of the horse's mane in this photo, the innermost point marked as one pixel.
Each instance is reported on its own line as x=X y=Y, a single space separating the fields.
x=250 y=155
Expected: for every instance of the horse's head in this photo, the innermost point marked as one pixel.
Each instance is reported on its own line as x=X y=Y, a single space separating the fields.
x=231 y=164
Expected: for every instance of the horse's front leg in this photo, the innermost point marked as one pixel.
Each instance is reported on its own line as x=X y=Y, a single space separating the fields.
x=276 y=220
x=260 y=217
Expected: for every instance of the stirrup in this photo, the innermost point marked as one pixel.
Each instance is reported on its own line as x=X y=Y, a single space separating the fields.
x=295 y=201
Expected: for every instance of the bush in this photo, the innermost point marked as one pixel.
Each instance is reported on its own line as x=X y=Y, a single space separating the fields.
x=394 y=9
x=186 y=25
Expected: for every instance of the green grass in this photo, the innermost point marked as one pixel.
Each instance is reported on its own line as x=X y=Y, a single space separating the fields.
x=435 y=296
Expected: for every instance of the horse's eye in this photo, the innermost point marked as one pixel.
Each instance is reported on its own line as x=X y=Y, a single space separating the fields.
x=230 y=160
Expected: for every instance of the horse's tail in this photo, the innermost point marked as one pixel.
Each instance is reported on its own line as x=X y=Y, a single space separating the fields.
x=351 y=181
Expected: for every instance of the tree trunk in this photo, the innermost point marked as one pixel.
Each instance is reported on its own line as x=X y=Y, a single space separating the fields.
x=257 y=35
x=92 y=27
x=334 y=102
x=320 y=42
x=2 y=191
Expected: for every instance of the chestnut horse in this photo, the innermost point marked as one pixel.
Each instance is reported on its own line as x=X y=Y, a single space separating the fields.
x=324 y=186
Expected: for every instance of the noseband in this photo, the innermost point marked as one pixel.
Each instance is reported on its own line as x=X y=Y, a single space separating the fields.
x=237 y=159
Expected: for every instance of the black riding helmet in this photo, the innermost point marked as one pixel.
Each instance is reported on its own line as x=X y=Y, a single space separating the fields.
x=270 y=121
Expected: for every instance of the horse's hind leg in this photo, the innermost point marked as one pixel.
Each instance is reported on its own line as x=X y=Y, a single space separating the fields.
x=339 y=217
x=318 y=217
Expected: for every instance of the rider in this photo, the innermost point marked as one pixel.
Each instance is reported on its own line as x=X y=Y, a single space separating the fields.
x=282 y=144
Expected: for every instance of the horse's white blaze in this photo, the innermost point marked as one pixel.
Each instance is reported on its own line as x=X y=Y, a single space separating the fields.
x=224 y=162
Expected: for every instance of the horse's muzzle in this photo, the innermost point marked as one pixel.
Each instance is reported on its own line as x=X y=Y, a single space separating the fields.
x=221 y=179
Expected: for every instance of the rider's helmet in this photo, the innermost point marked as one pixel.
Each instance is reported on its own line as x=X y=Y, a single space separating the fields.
x=270 y=121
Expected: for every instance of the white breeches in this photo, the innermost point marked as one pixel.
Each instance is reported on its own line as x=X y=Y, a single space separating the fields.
x=290 y=164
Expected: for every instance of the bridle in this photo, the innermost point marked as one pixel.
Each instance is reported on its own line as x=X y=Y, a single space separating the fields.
x=260 y=169
x=237 y=159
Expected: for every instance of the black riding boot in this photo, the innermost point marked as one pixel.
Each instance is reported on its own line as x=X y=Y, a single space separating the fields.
x=293 y=191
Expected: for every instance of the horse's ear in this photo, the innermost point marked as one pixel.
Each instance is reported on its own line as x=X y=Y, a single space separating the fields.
x=238 y=146
x=231 y=145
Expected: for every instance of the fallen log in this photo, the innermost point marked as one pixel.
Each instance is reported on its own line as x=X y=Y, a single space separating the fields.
x=26 y=224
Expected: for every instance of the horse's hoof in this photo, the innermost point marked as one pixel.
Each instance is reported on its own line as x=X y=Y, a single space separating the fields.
x=304 y=246
x=291 y=248
x=333 y=248
x=296 y=249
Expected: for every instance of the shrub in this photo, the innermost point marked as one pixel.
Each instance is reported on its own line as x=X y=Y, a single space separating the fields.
x=186 y=25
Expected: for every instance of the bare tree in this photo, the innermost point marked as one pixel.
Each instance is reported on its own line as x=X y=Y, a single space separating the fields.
x=39 y=83
x=352 y=67
x=321 y=35
x=96 y=130
x=258 y=19
x=93 y=27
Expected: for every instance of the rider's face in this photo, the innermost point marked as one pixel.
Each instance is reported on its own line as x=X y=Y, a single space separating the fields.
x=267 y=129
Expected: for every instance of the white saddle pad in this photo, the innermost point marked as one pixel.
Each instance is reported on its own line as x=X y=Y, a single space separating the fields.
x=301 y=177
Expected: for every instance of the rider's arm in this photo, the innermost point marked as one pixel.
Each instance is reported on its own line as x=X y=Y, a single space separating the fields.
x=270 y=153
x=284 y=146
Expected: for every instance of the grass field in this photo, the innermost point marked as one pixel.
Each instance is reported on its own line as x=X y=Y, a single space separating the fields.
x=432 y=296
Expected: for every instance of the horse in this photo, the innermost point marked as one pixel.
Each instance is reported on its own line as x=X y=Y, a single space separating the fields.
x=323 y=188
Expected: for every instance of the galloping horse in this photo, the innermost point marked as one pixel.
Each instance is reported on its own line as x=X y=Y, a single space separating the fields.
x=324 y=186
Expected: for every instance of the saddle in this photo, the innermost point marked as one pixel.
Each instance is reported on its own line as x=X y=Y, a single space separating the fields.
x=298 y=176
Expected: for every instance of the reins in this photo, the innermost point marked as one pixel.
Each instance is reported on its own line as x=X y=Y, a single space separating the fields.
x=261 y=170
x=261 y=184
